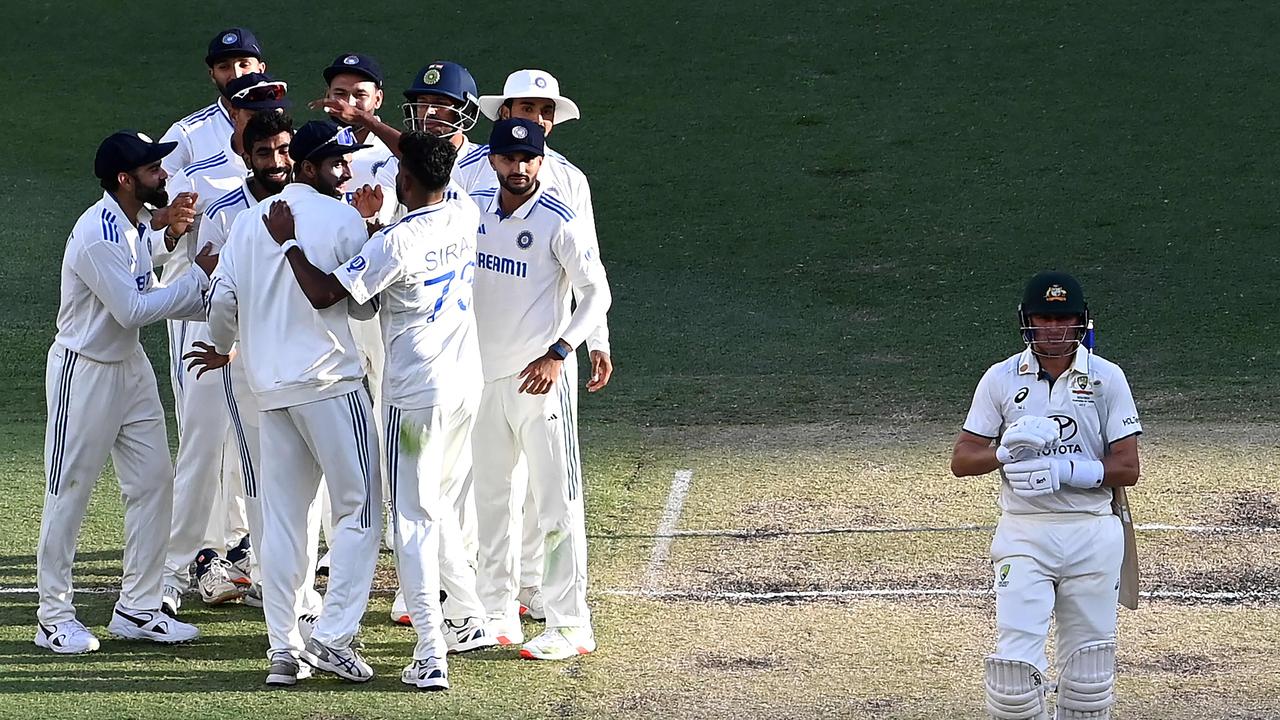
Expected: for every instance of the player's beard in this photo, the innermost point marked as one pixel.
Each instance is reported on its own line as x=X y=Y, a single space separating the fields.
x=267 y=183
x=519 y=190
x=155 y=196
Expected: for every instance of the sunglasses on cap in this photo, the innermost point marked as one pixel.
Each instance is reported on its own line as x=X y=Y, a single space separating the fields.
x=262 y=92
x=346 y=137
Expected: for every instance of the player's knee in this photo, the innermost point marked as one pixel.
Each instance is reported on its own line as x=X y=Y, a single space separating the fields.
x=1086 y=683
x=1015 y=690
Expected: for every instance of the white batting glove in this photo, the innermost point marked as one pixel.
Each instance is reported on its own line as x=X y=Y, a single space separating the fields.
x=1026 y=438
x=1040 y=476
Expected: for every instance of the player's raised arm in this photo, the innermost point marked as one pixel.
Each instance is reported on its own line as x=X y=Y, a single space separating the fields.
x=104 y=267
x=321 y=288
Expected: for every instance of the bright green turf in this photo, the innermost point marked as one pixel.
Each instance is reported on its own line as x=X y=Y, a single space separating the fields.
x=809 y=211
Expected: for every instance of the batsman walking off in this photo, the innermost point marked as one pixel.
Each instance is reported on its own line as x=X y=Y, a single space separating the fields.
x=1060 y=425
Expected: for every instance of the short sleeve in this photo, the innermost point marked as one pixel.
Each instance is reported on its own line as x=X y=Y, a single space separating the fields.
x=379 y=263
x=1122 y=413
x=984 y=418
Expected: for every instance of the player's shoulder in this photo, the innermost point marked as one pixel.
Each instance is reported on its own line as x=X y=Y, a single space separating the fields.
x=198 y=117
x=206 y=164
x=470 y=155
x=1007 y=368
x=1102 y=368
x=565 y=165
x=228 y=201
x=554 y=209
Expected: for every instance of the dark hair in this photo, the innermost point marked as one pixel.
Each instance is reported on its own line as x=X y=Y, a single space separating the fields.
x=265 y=125
x=428 y=158
x=110 y=184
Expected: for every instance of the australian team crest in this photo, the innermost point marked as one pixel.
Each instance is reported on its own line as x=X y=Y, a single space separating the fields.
x=1055 y=293
x=524 y=239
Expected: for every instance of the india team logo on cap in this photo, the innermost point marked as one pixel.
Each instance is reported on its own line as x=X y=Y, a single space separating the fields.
x=431 y=77
x=524 y=239
x=1055 y=293
x=145 y=138
x=540 y=81
x=230 y=39
x=519 y=132
x=351 y=60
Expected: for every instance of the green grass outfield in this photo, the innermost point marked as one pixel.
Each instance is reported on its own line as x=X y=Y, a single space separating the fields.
x=810 y=213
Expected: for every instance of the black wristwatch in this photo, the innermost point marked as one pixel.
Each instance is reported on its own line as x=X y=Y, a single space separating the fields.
x=558 y=350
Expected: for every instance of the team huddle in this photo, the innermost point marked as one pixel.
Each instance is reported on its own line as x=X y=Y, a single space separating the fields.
x=362 y=319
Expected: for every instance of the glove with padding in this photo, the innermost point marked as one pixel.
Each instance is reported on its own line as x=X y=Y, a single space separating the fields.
x=1026 y=438
x=1044 y=475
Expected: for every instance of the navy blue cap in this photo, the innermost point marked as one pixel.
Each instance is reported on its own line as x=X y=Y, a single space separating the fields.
x=127 y=150
x=257 y=91
x=444 y=78
x=357 y=64
x=516 y=135
x=320 y=139
x=233 y=42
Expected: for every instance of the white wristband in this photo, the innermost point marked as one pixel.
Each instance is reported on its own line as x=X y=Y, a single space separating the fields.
x=284 y=247
x=1086 y=474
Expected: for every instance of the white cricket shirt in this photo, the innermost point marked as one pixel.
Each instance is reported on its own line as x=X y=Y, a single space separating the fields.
x=1091 y=403
x=201 y=134
x=560 y=178
x=527 y=266
x=422 y=268
x=108 y=289
x=210 y=178
x=215 y=222
x=292 y=353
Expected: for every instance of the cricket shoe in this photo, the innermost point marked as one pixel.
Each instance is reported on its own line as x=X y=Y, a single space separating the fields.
x=467 y=635
x=560 y=643
x=214 y=579
x=242 y=560
x=153 y=625
x=285 y=670
x=531 y=604
x=322 y=566
x=429 y=674
x=400 y=610
x=171 y=600
x=506 y=631
x=66 y=638
x=252 y=595
x=346 y=663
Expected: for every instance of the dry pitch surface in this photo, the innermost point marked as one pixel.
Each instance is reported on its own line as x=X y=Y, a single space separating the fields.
x=748 y=614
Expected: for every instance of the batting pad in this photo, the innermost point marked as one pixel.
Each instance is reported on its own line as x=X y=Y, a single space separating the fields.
x=1086 y=683
x=1015 y=690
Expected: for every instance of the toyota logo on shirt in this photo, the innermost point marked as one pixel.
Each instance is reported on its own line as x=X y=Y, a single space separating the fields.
x=1067 y=427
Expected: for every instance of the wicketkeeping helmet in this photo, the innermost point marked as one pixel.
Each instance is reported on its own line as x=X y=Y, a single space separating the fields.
x=446 y=79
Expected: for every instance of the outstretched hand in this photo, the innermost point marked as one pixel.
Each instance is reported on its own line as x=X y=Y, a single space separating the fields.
x=341 y=112
x=206 y=358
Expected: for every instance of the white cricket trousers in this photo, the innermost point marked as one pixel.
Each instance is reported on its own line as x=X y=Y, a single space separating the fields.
x=333 y=438
x=1062 y=564
x=429 y=449
x=368 y=337
x=200 y=502
x=95 y=410
x=544 y=428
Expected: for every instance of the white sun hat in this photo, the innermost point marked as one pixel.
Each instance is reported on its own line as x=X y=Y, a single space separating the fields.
x=531 y=84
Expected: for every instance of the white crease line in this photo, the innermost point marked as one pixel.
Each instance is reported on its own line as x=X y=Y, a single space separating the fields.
x=667 y=525
x=906 y=593
x=874 y=529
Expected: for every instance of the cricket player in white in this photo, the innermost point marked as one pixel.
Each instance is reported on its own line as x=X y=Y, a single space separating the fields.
x=204 y=423
x=535 y=95
x=206 y=132
x=266 y=140
x=355 y=80
x=532 y=252
x=315 y=414
x=442 y=101
x=422 y=267
x=102 y=396
x=1065 y=433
